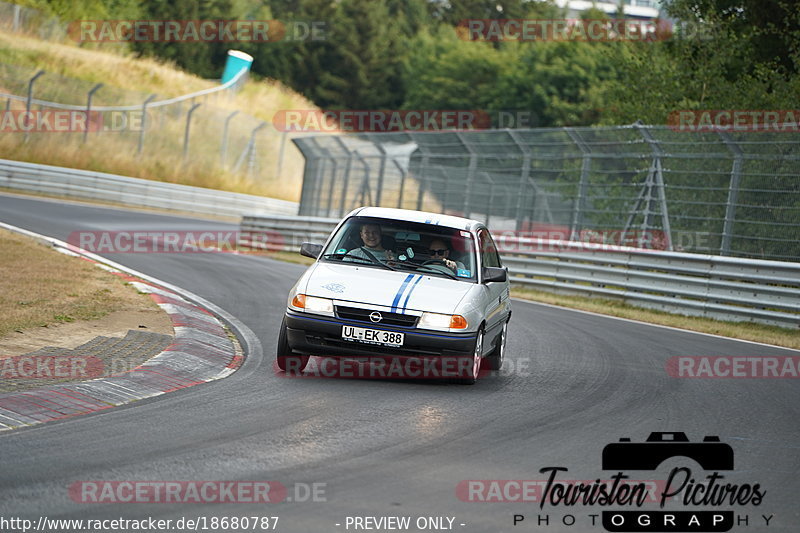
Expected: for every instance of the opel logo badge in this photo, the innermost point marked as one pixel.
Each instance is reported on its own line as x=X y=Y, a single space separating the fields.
x=375 y=316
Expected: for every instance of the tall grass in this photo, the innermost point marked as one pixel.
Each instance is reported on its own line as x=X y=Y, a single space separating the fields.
x=71 y=71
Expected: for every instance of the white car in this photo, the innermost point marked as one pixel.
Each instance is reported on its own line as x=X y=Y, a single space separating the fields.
x=399 y=283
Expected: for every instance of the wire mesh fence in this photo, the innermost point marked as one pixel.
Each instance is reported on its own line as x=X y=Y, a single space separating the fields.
x=201 y=130
x=714 y=192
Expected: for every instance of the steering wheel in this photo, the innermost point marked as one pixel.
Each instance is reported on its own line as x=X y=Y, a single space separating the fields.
x=429 y=261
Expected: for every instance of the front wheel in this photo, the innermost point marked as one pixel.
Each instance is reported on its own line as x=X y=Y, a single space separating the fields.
x=495 y=359
x=472 y=366
x=288 y=362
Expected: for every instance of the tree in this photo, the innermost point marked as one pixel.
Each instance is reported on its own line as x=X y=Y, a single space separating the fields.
x=559 y=81
x=444 y=72
x=721 y=66
x=202 y=58
x=770 y=28
x=363 y=67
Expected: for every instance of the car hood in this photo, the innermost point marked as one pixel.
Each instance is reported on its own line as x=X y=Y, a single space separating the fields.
x=398 y=291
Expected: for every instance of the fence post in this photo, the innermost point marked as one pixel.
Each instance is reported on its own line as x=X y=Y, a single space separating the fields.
x=381 y=172
x=246 y=154
x=28 y=101
x=281 y=150
x=186 y=132
x=346 y=175
x=251 y=164
x=490 y=181
x=144 y=123
x=421 y=174
x=403 y=174
x=89 y=110
x=223 y=152
x=580 y=201
x=15 y=26
x=655 y=179
x=523 y=177
x=733 y=193
x=365 y=189
x=335 y=166
x=473 y=165
x=310 y=192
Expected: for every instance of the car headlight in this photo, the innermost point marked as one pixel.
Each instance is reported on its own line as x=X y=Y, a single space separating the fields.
x=311 y=304
x=441 y=322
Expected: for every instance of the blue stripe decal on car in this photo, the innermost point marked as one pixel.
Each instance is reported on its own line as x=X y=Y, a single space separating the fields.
x=400 y=292
x=410 y=291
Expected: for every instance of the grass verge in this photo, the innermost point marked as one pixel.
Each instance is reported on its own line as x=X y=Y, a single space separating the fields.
x=738 y=330
x=286 y=257
x=41 y=287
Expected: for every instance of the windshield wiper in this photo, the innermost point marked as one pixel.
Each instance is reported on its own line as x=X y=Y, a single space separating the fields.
x=433 y=270
x=365 y=259
x=348 y=254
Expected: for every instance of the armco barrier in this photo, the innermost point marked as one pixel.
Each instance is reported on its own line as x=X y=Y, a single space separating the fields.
x=724 y=288
x=87 y=185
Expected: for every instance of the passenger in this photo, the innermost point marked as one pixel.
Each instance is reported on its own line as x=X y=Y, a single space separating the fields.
x=371 y=236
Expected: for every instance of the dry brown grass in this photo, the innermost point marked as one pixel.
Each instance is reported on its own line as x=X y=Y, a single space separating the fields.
x=737 y=330
x=115 y=69
x=40 y=287
x=127 y=80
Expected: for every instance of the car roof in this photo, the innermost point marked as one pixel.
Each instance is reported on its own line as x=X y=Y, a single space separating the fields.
x=417 y=216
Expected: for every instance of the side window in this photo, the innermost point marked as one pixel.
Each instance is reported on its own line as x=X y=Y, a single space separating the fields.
x=489 y=255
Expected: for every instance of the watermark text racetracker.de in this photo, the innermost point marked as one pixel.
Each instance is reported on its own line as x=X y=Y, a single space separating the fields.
x=71 y=121
x=380 y=120
x=197 y=31
x=52 y=367
x=400 y=367
x=735 y=120
x=566 y=29
x=175 y=241
x=734 y=367
x=554 y=239
x=201 y=492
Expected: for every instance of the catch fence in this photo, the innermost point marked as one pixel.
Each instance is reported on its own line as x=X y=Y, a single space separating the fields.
x=710 y=192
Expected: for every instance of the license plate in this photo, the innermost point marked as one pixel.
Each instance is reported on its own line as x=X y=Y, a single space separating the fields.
x=372 y=336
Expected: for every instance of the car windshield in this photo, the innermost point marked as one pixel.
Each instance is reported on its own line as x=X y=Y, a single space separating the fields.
x=405 y=246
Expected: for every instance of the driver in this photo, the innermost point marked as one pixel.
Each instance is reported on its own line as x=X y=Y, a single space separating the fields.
x=371 y=237
x=440 y=250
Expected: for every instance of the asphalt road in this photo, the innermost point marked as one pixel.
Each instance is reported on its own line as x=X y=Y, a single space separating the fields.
x=576 y=382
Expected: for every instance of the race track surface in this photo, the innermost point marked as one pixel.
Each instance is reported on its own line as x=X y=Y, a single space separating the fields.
x=575 y=383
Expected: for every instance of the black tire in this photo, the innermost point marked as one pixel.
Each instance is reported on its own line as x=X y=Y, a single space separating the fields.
x=473 y=369
x=498 y=355
x=287 y=361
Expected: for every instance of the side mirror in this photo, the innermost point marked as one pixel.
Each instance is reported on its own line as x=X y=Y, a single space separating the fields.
x=309 y=249
x=491 y=274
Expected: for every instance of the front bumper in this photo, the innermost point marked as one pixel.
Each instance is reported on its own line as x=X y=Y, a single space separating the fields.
x=321 y=335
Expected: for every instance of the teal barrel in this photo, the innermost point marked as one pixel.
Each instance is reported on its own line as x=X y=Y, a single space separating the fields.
x=236 y=61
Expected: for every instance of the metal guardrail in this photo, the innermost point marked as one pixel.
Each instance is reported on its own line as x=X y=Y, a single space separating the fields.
x=723 y=288
x=87 y=185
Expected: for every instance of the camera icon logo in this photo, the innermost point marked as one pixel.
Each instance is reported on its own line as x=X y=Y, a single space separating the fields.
x=711 y=454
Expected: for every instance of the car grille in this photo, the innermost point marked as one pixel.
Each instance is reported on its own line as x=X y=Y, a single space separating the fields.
x=362 y=315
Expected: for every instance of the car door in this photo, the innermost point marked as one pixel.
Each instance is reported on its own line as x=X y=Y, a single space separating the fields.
x=495 y=294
